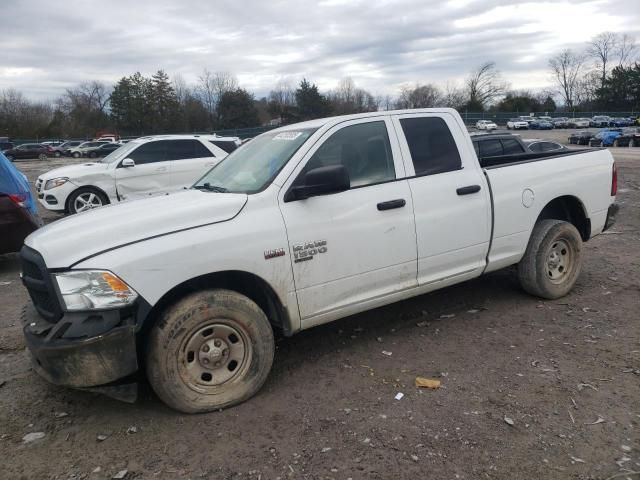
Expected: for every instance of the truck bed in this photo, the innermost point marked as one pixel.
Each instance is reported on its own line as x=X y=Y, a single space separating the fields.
x=507 y=160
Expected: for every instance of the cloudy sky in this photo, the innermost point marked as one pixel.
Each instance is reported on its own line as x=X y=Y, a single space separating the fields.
x=46 y=45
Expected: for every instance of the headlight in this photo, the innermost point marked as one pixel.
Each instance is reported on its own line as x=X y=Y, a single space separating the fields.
x=55 y=182
x=93 y=289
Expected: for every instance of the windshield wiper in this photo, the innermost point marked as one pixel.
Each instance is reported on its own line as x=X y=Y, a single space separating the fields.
x=210 y=188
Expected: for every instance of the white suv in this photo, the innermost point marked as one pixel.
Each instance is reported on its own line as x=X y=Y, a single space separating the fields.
x=141 y=168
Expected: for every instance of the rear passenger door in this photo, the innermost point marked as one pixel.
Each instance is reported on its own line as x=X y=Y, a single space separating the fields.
x=151 y=174
x=451 y=201
x=190 y=159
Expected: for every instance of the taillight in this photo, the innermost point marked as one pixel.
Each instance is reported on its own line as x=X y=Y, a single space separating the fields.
x=614 y=180
x=18 y=199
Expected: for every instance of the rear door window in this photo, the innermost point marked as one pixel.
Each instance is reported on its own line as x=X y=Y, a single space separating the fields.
x=511 y=146
x=186 y=149
x=490 y=147
x=432 y=147
x=227 y=146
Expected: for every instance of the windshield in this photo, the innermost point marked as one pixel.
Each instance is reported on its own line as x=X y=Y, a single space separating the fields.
x=119 y=153
x=250 y=168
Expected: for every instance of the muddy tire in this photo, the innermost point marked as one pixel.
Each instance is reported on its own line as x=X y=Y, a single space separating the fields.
x=210 y=350
x=552 y=261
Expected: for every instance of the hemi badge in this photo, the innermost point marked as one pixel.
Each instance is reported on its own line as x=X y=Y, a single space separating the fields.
x=278 y=252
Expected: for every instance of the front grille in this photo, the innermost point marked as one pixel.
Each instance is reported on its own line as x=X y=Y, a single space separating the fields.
x=39 y=285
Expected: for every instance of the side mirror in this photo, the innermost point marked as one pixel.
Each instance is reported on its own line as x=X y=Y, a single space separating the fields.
x=321 y=181
x=128 y=163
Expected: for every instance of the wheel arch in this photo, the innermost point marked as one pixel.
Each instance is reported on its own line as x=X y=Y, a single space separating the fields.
x=84 y=187
x=570 y=209
x=245 y=283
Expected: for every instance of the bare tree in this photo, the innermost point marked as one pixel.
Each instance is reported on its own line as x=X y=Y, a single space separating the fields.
x=453 y=97
x=420 y=96
x=566 y=67
x=211 y=87
x=601 y=48
x=625 y=50
x=484 y=84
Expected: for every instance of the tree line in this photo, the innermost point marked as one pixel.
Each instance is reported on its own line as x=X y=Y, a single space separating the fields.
x=604 y=76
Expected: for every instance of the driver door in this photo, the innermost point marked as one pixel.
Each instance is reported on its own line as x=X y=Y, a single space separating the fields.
x=352 y=248
x=151 y=174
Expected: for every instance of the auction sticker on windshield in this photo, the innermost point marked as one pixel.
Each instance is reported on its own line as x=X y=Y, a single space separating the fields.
x=287 y=136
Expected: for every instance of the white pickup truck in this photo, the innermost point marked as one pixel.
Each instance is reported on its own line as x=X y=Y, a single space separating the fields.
x=301 y=226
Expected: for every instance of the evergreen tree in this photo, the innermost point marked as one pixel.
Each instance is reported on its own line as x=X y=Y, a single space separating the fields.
x=163 y=104
x=236 y=109
x=310 y=102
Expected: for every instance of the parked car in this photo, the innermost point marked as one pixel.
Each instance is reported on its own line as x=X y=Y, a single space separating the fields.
x=620 y=122
x=600 y=121
x=101 y=150
x=543 y=146
x=560 y=122
x=304 y=225
x=581 y=138
x=65 y=148
x=143 y=167
x=29 y=150
x=53 y=143
x=540 y=124
x=605 y=137
x=630 y=138
x=579 y=122
x=18 y=212
x=486 y=125
x=77 y=152
x=517 y=124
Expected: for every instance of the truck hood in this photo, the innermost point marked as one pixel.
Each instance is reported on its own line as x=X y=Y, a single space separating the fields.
x=75 y=171
x=65 y=242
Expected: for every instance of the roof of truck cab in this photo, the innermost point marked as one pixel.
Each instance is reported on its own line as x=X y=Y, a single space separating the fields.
x=320 y=122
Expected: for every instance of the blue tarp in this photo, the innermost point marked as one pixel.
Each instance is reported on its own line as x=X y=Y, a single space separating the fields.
x=14 y=182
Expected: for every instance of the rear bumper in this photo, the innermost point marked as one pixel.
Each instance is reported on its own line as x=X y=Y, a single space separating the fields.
x=612 y=213
x=86 y=360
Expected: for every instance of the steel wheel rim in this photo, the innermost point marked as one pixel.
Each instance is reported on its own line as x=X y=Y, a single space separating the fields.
x=87 y=201
x=214 y=355
x=559 y=261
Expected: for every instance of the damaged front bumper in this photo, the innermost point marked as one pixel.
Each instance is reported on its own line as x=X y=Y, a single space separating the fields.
x=87 y=350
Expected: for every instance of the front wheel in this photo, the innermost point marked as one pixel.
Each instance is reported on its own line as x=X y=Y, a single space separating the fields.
x=10 y=157
x=631 y=143
x=76 y=155
x=42 y=157
x=212 y=349
x=57 y=154
x=552 y=261
x=616 y=143
x=86 y=198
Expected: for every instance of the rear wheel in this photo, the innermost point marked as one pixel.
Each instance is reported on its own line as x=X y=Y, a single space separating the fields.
x=616 y=143
x=76 y=154
x=552 y=261
x=631 y=143
x=57 y=154
x=210 y=350
x=86 y=198
x=42 y=156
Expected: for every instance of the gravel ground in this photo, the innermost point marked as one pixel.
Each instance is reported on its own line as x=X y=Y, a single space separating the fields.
x=530 y=389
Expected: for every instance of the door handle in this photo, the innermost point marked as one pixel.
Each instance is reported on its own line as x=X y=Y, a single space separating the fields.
x=399 y=203
x=468 y=190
